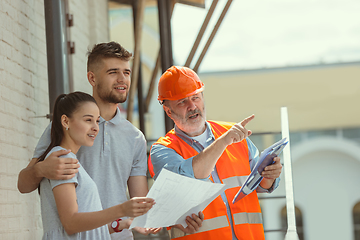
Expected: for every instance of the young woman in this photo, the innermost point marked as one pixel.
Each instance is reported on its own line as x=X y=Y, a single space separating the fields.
x=71 y=209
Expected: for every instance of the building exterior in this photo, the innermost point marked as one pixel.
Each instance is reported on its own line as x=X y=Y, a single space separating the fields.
x=321 y=99
x=324 y=136
x=24 y=99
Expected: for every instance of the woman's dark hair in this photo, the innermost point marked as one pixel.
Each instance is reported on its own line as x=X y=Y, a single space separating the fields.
x=65 y=104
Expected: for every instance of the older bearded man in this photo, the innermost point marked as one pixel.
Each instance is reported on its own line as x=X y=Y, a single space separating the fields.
x=219 y=151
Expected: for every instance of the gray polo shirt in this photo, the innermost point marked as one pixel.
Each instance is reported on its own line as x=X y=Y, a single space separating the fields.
x=88 y=200
x=119 y=151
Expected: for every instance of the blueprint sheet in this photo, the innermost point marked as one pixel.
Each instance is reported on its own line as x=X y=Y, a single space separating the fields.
x=176 y=197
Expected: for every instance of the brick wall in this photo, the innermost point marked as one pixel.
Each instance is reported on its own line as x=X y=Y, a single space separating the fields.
x=24 y=97
x=91 y=26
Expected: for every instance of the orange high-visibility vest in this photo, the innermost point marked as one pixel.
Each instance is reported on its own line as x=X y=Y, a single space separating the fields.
x=232 y=167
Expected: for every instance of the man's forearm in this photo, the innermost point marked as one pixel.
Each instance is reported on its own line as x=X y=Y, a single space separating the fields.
x=28 y=180
x=137 y=186
x=267 y=183
x=204 y=162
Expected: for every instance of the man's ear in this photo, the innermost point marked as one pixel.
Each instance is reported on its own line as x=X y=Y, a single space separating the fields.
x=167 y=110
x=65 y=121
x=91 y=78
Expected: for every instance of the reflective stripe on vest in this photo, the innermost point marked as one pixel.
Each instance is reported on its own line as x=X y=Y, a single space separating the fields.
x=239 y=218
x=246 y=214
x=214 y=223
x=252 y=218
x=243 y=217
x=235 y=181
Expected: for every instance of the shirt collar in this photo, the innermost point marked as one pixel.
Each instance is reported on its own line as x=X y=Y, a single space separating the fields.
x=115 y=120
x=188 y=139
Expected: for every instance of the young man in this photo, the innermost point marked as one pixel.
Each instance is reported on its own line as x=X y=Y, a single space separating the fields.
x=208 y=149
x=117 y=159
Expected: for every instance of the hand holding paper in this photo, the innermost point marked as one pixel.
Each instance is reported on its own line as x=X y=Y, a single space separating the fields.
x=193 y=223
x=176 y=198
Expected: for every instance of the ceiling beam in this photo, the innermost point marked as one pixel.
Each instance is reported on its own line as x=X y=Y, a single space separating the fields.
x=201 y=32
x=212 y=35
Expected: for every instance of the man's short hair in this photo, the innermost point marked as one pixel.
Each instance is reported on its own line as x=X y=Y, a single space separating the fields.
x=106 y=50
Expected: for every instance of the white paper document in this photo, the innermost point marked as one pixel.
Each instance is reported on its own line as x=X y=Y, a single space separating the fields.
x=176 y=197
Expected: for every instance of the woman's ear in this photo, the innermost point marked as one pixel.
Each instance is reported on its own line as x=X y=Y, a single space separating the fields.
x=65 y=121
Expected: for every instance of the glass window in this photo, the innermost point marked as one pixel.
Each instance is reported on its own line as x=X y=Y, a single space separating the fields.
x=314 y=134
x=296 y=137
x=257 y=139
x=352 y=133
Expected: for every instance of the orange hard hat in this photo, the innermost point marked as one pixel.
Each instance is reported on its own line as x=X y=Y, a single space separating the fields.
x=179 y=82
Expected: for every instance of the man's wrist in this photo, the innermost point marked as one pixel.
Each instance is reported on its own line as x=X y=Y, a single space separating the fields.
x=222 y=142
x=37 y=170
x=267 y=184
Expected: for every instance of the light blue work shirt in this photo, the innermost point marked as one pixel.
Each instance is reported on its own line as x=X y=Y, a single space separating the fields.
x=164 y=157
